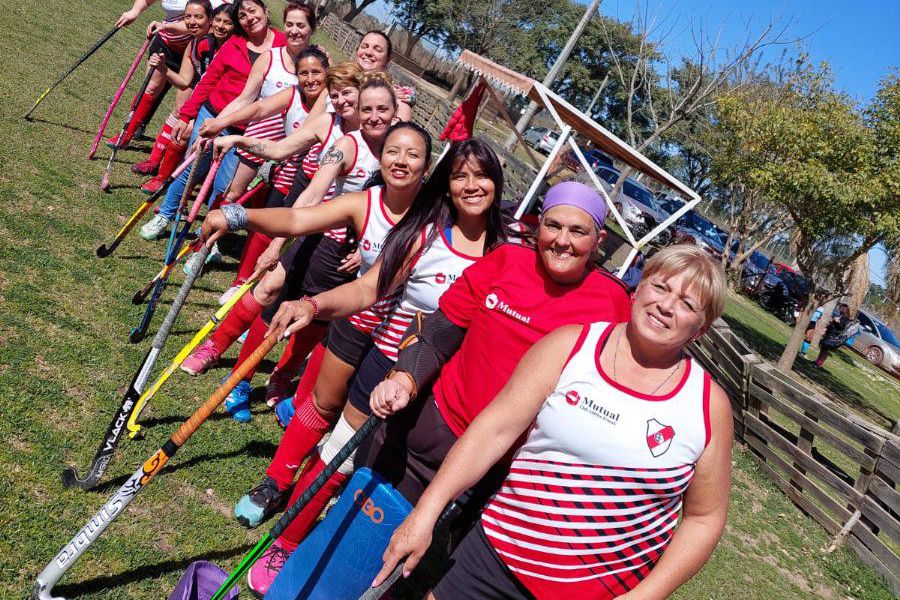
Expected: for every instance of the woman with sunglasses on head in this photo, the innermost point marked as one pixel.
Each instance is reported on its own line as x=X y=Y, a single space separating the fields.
x=625 y=435
x=223 y=81
x=166 y=155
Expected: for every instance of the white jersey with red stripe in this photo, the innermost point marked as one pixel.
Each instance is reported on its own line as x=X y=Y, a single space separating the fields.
x=365 y=164
x=176 y=41
x=310 y=162
x=593 y=495
x=279 y=76
x=295 y=116
x=374 y=233
x=435 y=269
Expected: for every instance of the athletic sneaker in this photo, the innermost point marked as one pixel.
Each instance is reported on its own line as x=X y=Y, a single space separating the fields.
x=151 y=186
x=224 y=298
x=237 y=402
x=154 y=228
x=201 y=359
x=145 y=167
x=266 y=568
x=243 y=337
x=213 y=256
x=284 y=410
x=193 y=263
x=277 y=387
x=260 y=503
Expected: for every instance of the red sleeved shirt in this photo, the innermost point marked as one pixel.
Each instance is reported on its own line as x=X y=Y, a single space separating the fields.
x=225 y=78
x=507 y=302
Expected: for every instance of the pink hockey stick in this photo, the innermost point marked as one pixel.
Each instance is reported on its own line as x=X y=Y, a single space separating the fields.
x=112 y=107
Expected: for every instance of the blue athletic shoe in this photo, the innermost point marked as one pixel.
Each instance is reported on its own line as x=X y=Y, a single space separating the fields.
x=284 y=410
x=260 y=503
x=237 y=403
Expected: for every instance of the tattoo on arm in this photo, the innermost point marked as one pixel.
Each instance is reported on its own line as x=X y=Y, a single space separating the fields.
x=331 y=157
x=256 y=148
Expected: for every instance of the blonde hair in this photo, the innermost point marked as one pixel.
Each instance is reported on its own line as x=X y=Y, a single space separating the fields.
x=704 y=274
x=378 y=79
x=345 y=74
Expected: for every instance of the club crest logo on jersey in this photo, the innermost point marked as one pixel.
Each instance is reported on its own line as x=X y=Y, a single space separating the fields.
x=440 y=279
x=491 y=301
x=366 y=245
x=572 y=397
x=659 y=437
x=278 y=84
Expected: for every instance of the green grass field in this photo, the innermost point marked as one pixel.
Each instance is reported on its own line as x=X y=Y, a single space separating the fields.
x=65 y=362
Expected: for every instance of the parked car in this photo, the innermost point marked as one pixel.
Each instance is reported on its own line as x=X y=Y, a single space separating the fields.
x=598 y=158
x=636 y=205
x=782 y=294
x=877 y=343
x=693 y=228
x=541 y=138
x=668 y=203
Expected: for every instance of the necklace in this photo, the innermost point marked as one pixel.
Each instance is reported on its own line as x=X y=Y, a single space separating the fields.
x=616 y=359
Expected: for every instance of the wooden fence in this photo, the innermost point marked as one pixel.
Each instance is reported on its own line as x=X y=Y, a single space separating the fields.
x=837 y=467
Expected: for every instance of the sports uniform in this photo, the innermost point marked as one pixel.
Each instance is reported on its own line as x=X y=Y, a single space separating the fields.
x=278 y=77
x=593 y=495
x=505 y=303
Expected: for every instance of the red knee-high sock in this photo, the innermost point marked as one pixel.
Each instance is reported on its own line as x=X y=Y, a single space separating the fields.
x=299 y=347
x=310 y=374
x=239 y=318
x=162 y=140
x=143 y=108
x=171 y=159
x=300 y=526
x=255 y=337
x=306 y=429
x=255 y=245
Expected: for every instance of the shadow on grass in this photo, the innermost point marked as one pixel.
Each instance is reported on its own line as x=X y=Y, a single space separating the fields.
x=117 y=580
x=771 y=350
x=256 y=449
x=63 y=125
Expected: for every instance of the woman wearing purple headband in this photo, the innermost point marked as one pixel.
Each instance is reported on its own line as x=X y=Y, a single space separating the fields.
x=488 y=318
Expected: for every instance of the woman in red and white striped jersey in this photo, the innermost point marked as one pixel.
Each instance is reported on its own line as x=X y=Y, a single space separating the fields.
x=624 y=435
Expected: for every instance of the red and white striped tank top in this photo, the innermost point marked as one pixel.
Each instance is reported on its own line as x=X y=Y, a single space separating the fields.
x=295 y=116
x=592 y=497
x=371 y=242
x=279 y=76
x=434 y=270
x=365 y=164
x=176 y=41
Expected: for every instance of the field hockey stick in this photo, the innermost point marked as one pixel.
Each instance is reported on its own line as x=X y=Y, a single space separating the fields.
x=104 y=181
x=291 y=513
x=105 y=38
x=112 y=106
x=174 y=234
x=138 y=333
x=132 y=425
x=114 y=432
x=104 y=250
x=89 y=533
x=451 y=511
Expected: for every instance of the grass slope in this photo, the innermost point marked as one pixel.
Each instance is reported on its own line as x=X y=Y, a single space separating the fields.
x=65 y=362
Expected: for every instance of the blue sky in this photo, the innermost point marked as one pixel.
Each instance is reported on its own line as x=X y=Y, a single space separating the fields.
x=860 y=40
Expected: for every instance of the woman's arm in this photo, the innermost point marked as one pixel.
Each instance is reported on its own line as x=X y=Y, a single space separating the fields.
x=301 y=139
x=348 y=209
x=251 y=89
x=183 y=79
x=704 y=512
x=486 y=441
x=335 y=162
x=260 y=109
x=129 y=16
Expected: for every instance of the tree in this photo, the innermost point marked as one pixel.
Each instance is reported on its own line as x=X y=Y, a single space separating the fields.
x=814 y=154
x=421 y=19
x=356 y=7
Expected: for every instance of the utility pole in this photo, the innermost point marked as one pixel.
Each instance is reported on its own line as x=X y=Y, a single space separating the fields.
x=554 y=72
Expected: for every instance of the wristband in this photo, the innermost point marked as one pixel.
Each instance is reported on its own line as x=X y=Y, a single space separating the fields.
x=235 y=216
x=312 y=301
x=409 y=377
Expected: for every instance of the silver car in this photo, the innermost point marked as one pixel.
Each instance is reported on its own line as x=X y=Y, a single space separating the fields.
x=877 y=343
x=541 y=138
x=636 y=205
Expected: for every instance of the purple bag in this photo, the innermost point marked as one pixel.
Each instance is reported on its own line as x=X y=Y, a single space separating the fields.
x=201 y=580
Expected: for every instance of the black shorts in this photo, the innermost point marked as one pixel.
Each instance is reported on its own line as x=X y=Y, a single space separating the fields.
x=478 y=573
x=173 y=59
x=369 y=374
x=347 y=342
x=276 y=198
